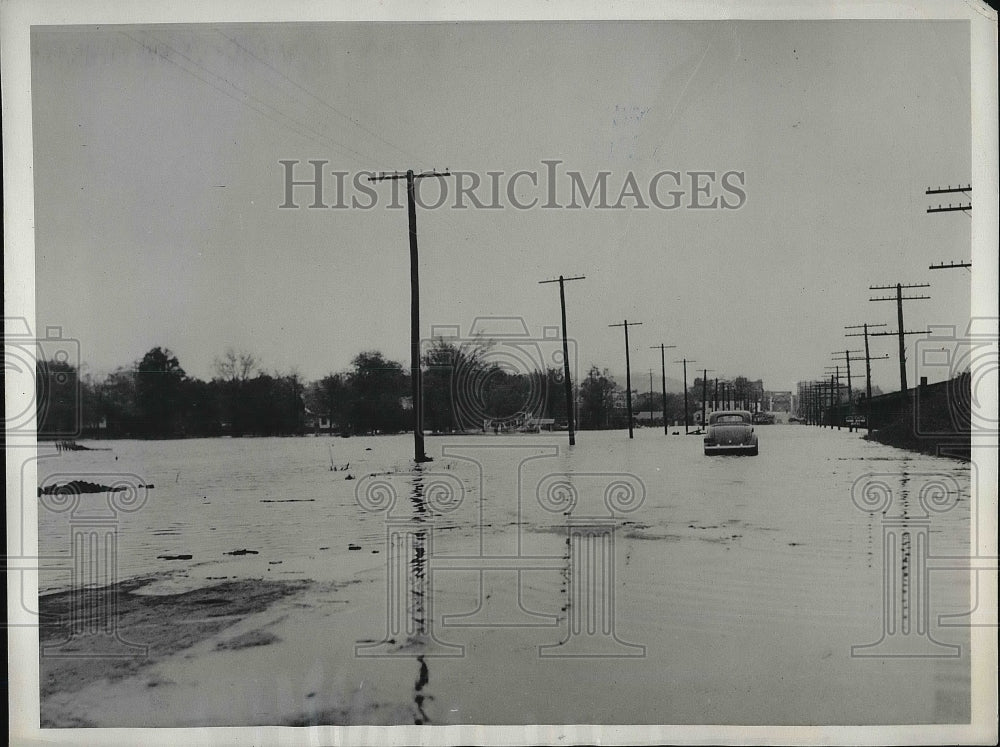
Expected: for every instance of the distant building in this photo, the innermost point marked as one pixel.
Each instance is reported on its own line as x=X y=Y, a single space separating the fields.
x=778 y=402
x=649 y=417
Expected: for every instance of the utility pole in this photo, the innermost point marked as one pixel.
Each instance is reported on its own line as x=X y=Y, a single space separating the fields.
x=419 y=455
x=704 y=396
x=715 y=396
x=868 y=369
x=967 y=191
x=567 y=383
x=850 y=389
x=650 y=397
x=628 y=374
x=899 y=298
x=832 y=412
x=663 y=373
x=836 y=392
x=685 y=361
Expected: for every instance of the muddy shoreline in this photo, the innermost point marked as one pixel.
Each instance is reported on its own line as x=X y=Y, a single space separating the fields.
x=113 y=632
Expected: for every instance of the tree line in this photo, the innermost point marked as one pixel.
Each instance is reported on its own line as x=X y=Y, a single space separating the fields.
x=464 y=387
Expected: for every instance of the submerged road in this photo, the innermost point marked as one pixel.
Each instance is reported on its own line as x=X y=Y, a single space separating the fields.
x=516 y=581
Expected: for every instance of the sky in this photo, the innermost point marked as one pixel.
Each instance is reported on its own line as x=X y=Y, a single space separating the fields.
x=158 y=182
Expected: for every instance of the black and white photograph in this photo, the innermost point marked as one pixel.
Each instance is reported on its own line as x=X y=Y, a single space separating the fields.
x=440 y=374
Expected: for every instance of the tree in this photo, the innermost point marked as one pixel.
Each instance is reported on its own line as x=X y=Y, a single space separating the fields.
x=159 y=384
x=329 y=396
x=555 y=395
x=454 y=395
x=377 y=386
x=236 y=365
x=597 y=400
x=57 y=398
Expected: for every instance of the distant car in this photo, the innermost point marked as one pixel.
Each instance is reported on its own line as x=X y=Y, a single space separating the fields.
x=731 y=432
x=762 y=418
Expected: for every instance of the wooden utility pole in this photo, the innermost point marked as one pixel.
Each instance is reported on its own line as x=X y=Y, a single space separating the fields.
x=685 y=361
x=663 y=380
x=836 y=393
x=419 y=455
x=704 y=396
x=568 y=385
x=628 y=374
x=868 y=369
x=850 y=389
x=899 y=298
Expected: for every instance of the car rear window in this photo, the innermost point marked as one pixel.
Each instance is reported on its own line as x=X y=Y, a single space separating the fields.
x=729 y=419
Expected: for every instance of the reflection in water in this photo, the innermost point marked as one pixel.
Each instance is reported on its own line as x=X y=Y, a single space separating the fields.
x=418 y=589
x=904 y=548
x=418 y=698
x=906 y=552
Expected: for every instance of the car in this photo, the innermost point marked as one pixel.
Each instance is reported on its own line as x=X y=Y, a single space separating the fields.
x=762 y=418
x=731 y=432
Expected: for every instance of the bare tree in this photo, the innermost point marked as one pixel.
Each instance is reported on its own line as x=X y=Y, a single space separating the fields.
x=236 y=365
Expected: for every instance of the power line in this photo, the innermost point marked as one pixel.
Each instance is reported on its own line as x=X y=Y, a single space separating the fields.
x=320 y=100
x=316 y=135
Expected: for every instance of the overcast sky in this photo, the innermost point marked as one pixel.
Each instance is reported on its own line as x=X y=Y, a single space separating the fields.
x=158 y=185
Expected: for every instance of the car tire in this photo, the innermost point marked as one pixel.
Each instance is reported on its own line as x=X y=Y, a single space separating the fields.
x=756 y=450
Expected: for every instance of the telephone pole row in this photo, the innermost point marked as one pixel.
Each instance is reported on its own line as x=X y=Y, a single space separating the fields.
x=868 y=368
x=850 y=389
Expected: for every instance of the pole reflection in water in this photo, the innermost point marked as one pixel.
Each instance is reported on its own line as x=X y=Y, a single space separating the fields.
x=589 y=573
x=409 y=611
x=906 y=560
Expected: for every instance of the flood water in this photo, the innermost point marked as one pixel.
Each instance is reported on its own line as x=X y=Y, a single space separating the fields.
x=513 y=580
